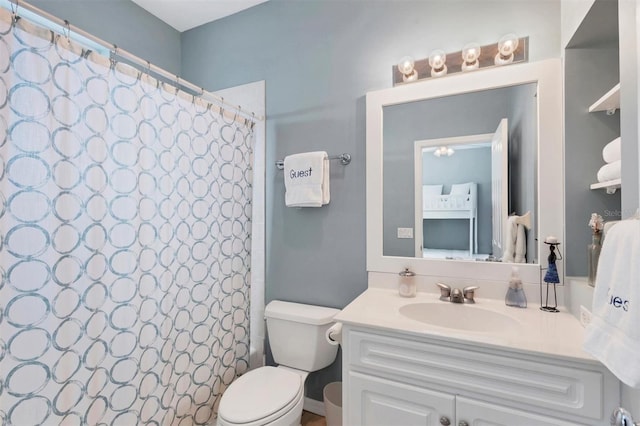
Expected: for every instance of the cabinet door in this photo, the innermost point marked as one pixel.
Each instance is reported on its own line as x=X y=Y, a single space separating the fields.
x=472 y=412
x=380 y=402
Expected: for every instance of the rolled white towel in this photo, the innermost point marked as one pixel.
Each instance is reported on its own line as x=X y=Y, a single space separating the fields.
x=610 y=171
x=611 y=151
x=510 y=239
x=521 y=246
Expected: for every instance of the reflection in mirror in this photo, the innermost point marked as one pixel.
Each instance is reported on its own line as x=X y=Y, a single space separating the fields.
x=446 y=175
x=453 y=182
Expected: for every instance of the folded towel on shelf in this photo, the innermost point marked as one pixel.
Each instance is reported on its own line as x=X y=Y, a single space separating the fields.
x=610 y=171
x=611 y=152
x=306 y=179
x=613 y=335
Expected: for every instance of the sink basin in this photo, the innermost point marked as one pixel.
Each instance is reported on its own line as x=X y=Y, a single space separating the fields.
x=458 y=316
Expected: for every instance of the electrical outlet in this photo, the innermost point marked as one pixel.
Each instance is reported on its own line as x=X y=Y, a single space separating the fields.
x=405 y=232
x=585 y=316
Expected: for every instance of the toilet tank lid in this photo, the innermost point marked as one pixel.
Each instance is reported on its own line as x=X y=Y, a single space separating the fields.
x=298 y=312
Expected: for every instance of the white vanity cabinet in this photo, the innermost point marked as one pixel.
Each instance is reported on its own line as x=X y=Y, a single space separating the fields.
x=393 y=379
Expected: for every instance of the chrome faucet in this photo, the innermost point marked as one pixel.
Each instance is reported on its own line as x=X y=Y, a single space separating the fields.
x=456 y=295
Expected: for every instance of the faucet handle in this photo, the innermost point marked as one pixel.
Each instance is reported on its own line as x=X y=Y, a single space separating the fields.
x=445 y=291
x=468 y=293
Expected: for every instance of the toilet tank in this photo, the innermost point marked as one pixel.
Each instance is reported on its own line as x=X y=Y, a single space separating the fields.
x=297 y=335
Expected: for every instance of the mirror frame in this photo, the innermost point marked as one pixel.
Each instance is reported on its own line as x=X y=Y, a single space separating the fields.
x=548 y=76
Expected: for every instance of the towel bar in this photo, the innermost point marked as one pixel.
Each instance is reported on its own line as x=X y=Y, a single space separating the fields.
x=344 y=160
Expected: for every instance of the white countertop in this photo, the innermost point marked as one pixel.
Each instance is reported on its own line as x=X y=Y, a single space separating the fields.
x=553 y=334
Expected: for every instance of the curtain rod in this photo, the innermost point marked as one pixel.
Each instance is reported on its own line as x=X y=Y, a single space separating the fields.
x=142 y=64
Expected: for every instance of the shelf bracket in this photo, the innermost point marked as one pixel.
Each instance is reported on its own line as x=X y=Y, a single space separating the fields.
x=611 y=190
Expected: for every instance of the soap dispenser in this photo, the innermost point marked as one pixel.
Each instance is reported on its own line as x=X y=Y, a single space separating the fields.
x=515 y=294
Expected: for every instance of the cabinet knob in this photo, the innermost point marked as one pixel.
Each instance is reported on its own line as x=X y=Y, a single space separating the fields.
x=463 y=423
x=444 y=421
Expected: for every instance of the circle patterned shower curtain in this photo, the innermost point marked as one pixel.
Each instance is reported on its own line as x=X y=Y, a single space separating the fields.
x=125 y=241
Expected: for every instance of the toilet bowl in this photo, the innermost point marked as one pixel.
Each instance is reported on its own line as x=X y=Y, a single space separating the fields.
x=274 y=396
x=265 y=396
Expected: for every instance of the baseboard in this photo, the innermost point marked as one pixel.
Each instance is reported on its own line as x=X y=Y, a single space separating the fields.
x=313 y=406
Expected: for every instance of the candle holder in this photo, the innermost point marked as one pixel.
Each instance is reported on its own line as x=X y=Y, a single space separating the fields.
x=551 y=277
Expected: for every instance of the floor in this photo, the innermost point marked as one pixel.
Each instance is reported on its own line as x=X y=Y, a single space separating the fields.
x=310 y=419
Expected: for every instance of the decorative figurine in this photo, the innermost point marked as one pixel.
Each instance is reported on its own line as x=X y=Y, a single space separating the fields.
x=551 y=276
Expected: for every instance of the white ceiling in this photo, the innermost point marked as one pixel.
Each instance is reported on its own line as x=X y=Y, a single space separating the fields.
x=186 y=14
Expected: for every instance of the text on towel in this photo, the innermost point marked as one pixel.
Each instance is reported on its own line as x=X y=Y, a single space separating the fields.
x=293 y=174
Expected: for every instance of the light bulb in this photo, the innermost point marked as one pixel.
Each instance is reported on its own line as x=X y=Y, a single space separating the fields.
x=507 y=45
x=406 y=66
x=450 y=152
x=437 y=152
x=470 y=56
x=437 y=63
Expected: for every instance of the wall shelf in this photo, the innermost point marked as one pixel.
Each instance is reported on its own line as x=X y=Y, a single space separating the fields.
x=609 y=102
x=611 y=186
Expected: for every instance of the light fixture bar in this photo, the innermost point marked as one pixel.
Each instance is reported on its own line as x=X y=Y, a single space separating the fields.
x=454 y=61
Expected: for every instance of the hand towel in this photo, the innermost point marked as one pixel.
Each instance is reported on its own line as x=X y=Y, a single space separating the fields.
x=306 y=179
x=510 y=239
x=613 y=335
x=515 y=240
x=521 y=245
x=610 y=171
x=611 y=151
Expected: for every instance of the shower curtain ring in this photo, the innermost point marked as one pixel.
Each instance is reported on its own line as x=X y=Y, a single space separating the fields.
x=66 y=31
x=112 y=57
x=14 y=12
x=177 y=84
x=222 y=106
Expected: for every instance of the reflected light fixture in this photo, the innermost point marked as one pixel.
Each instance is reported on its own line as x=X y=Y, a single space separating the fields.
x=470 y=56
x=443 y=151
x=506 y=46
x=406 y=66
x=437 y=62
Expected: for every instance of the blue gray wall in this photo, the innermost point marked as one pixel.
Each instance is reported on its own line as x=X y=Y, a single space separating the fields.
x=319 y=58
x=591 y=69
x=123 y=23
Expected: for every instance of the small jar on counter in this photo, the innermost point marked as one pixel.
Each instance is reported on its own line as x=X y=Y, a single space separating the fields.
x=407 y=286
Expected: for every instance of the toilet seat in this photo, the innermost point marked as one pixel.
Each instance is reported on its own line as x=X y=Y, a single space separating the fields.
x=261 y=396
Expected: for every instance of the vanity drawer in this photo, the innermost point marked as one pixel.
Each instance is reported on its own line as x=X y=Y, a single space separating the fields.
x=576 y=390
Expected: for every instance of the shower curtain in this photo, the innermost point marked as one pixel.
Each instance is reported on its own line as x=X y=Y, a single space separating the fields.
x=125 y=240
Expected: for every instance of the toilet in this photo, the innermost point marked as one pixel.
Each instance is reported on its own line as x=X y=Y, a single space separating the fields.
x=274 y=396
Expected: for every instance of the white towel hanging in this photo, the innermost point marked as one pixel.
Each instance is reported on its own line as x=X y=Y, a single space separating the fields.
x=306 y=179
x=613 y=335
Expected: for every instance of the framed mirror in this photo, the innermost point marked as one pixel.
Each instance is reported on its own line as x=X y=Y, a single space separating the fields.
x=449 y=159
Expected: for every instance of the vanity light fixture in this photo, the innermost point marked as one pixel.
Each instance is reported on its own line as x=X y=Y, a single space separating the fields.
x=509 y=50
x=507 y=45
x=437 y=62
x=406 y=66
x=443 y=151
x=470 y=55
